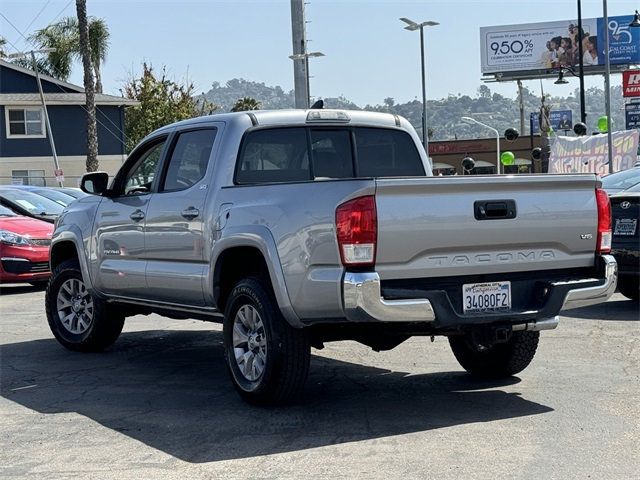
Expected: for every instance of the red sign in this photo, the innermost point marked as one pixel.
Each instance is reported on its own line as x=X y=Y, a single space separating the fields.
x=631 y=83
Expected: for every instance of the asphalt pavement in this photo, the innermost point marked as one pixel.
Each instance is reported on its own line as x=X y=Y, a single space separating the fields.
x=159 y=404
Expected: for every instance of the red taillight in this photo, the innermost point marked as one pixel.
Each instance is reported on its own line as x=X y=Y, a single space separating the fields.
x=357 y=231
x=603 y=244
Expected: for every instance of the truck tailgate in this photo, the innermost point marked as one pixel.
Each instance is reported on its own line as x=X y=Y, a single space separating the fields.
x=435 y=226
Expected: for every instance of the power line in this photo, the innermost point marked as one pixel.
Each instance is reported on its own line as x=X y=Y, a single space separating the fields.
x=37 y=15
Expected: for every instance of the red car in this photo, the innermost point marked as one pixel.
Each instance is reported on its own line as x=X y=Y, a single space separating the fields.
x=24 y=248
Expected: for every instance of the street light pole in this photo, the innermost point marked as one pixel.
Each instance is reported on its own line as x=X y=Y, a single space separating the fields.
x=305 y=56
x=413 y=26
x=607 y=84
x=425 y=131
x=473 y=120
x=44 y=104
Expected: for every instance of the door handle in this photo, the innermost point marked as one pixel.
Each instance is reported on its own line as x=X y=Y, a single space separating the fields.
x=495 y=209
x=137 y=216
x=190 y=213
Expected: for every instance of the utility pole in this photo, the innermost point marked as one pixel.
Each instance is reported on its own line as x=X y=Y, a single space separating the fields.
x=607 y=84
x=45 y=112
x=301 y=61
x=583 y=113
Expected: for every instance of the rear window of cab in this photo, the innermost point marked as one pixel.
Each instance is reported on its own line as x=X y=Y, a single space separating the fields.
x=294 y=154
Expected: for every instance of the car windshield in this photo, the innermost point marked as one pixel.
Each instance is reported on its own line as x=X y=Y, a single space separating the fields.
x=621 y=180
x=6 y=212
x=55 y=195
x=34 y=204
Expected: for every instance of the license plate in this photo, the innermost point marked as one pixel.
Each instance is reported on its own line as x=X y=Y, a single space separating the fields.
x=486 y=297
x=625 y=226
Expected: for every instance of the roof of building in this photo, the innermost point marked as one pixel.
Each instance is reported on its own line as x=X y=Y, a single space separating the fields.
x=29 y=99
x=18 y=68
x=62 y=98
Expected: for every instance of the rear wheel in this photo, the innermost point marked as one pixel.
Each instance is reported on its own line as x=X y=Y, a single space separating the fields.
x=499 y=360
x=79 y=320
x=267 y=358
x=629 y=287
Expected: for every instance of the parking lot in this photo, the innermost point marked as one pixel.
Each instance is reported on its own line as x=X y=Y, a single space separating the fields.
x=159 y=405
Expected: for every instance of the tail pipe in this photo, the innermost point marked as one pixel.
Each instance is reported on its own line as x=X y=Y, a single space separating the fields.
x=537 y=325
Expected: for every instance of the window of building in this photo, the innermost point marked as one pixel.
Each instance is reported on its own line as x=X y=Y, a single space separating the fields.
x=28 y=177
x=24 y=122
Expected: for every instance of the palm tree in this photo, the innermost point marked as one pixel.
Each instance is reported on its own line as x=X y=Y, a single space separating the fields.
x=64 y=37
x=245 y=103
x=85 y=53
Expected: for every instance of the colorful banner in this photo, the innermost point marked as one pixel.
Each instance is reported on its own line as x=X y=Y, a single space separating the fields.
x=551 y=45
x=588 y=154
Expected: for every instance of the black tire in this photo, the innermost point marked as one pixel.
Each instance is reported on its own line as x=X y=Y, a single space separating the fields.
x=500 y=360
x=288 y=351
x=629 y=287
x=105 y=326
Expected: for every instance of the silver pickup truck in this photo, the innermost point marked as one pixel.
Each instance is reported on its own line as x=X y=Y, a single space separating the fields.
x=294 y=228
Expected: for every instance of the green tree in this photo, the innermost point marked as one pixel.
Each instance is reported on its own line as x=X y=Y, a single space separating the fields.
x=245 y=103
x=64 y=37
x=3 y=43
x=162 y=101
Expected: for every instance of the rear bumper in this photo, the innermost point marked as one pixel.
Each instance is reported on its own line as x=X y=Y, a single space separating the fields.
x=363 y=302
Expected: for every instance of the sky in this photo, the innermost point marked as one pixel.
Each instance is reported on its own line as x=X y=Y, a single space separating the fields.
x=369 y=56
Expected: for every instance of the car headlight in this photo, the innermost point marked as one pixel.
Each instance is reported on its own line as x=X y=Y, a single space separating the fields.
x=10 y=238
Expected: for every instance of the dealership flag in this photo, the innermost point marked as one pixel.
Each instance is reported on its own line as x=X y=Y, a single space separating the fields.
x=588 y=154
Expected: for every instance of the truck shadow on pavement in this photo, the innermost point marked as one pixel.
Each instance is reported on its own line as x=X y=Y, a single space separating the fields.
x=170 y=390
x=615 y=310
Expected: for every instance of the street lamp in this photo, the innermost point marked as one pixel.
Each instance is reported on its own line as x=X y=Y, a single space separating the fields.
x=32 y=53
x=561 y=80
x=473 y=120
x=305 y=57
x=412 y=27
x=636 y=20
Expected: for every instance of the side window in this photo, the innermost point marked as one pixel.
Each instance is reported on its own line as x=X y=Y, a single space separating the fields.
x=274 y=155
x=141 y=176
x=331 y=153
x=189 y=159
x=387 y=153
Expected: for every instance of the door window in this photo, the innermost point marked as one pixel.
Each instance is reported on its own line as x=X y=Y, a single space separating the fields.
x=274 y=155
x=140 y=178
x=189 y=159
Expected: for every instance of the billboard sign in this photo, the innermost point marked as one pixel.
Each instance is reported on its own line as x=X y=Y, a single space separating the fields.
x=632 y=116
x=551 y=45
x=631 y=83
x=588 y=154
x=560 y=120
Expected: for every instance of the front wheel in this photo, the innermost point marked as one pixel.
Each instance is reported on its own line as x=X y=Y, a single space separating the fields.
x=267 y=358
x=79 y=320
x=499 y=360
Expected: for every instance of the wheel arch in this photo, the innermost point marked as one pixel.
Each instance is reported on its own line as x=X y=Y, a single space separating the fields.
x=251 y=252
x=65 y=246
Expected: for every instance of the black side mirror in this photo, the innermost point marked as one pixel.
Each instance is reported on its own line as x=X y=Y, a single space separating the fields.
x=94 y=183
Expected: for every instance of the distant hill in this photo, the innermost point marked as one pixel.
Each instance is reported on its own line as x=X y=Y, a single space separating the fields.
x=444 y=114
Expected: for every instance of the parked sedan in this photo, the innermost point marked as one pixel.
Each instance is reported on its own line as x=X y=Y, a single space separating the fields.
x=30 y=204
x=73 y=192
x=24 y=248
x=619 y=181
x=625 y=209
x=57 y=196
